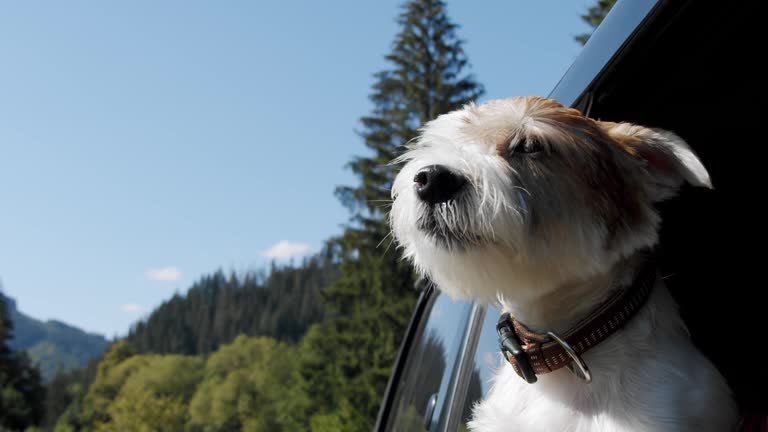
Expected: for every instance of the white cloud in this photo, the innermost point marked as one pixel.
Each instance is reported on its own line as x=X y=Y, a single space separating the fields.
x=285 y=249
x=163 y=274
x=131 y=308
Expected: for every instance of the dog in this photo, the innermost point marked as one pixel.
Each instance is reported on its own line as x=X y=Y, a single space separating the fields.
x=533 y=206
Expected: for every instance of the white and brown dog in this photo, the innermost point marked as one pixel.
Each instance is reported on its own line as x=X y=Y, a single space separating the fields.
x=527 y=204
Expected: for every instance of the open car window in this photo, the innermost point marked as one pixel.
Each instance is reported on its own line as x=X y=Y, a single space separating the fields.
x=427 y=376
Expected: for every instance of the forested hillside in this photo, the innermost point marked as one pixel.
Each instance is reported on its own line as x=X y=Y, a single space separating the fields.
x=278 y=305
x=219 y=307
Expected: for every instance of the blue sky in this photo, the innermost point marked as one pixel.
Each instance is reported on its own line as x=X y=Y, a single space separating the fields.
x=143 y=144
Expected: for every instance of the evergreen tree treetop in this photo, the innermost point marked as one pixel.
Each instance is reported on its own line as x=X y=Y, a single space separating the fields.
x=427 y=78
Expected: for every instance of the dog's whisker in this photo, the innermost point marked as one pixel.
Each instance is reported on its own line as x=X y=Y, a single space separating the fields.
x=390 y=234
x=392 y=240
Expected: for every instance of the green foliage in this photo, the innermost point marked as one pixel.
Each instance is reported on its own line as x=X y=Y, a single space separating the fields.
x=66 y=388
x=135 y=393
x=155 y=393
x=21 y=391
x=346 y=360
x=342 y=418
x=252 y=384
x=217 y=308
x=112 y=371
x=594 y=16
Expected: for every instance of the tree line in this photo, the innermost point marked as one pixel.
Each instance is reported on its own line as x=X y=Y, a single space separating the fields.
x=280 y=303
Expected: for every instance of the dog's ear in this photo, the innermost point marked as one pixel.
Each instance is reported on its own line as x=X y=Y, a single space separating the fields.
x=668 y=160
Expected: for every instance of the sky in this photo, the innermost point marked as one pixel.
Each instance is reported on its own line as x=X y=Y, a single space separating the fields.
x=144 y=144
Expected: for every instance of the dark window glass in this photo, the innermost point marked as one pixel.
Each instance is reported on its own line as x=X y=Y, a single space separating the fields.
x=418 y=404
x=487 y=359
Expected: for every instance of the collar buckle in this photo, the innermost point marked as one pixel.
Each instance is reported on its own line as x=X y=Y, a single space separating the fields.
x=511 y=349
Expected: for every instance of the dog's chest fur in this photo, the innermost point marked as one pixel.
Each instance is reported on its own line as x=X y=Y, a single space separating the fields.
x=647 y=377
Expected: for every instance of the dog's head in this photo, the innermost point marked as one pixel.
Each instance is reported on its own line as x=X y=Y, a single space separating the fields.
x=517 y=196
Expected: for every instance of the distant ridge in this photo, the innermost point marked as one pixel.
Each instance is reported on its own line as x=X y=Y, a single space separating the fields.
x=52 y=345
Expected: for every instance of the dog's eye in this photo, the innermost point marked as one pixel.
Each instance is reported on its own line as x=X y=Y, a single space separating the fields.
x=528 y=146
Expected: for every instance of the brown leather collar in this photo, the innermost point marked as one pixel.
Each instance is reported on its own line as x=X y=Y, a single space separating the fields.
x=532 y=354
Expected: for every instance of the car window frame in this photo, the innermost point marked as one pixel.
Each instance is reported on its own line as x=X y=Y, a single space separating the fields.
x=427 y=290
x=457 y=395
x=460 y=372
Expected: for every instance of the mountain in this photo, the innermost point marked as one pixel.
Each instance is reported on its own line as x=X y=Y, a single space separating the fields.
x=52 y=345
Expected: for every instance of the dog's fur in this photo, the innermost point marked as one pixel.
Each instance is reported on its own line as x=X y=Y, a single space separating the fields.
x=548 y=235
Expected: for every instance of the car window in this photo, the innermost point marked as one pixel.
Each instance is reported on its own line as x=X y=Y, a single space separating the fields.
x=486 y=360
x=418 y=404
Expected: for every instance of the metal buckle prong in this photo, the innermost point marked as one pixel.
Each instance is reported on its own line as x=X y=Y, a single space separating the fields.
x=583 y=371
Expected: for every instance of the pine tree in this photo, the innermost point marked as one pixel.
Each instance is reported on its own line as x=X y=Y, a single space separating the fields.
x=347 y=359
x=594 y=16
x=21 y=392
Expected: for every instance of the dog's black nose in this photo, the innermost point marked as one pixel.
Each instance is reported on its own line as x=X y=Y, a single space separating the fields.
x=437 y=184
